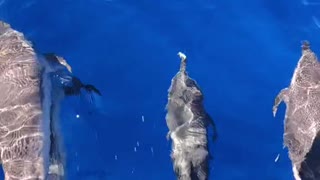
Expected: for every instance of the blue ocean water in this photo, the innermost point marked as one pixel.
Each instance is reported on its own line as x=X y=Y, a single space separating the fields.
x=242 y=53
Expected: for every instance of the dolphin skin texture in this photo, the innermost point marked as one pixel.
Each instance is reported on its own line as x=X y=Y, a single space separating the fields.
x=187 y=121
x=302 y=116
x=24 y=109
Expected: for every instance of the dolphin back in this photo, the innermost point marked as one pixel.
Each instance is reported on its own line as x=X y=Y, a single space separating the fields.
x=22 y=117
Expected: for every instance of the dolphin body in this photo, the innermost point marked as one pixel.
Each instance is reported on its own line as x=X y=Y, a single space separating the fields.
x=187 y=121
x=302 y=117
x=53 y=70
x=63 y=84
x=24 y=108
x=32 y=87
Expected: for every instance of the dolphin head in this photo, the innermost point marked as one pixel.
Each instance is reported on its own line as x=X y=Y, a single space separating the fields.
x=57 y=61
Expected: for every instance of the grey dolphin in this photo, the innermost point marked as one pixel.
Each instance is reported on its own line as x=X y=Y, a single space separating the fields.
x=63 y=84
x=32 y=87
x=187 y=121
x=302 y=118
x=53 y=66
x=24 y=108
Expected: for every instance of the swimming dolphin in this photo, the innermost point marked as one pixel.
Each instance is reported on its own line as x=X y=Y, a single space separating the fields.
x=24 y=108
x=63 y=84
x=302 y=118
x=187 y=121
x=29 y=106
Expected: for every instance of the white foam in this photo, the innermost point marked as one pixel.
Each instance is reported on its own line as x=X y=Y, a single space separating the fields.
x=56 y=169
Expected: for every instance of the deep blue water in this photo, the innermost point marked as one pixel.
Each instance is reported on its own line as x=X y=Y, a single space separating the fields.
x=242 y=53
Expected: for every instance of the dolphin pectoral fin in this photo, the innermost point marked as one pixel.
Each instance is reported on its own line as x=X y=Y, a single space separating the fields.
x=71 y=85
x=283 y=94
x=214 y=128
x=90 y=93
x=215 y=132
x=91 y=88
x=168 y=135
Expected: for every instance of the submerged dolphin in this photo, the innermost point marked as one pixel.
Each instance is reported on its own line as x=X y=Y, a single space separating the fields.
x=56 y=153
x=302 y=118
x=187 y=121
x=60 y=73
x=29 y=108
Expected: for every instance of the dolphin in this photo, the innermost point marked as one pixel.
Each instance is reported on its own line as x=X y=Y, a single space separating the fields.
x=188 y=121
x=64 y=83
x=31 y=87
x=24 y=108
x=302 y=117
